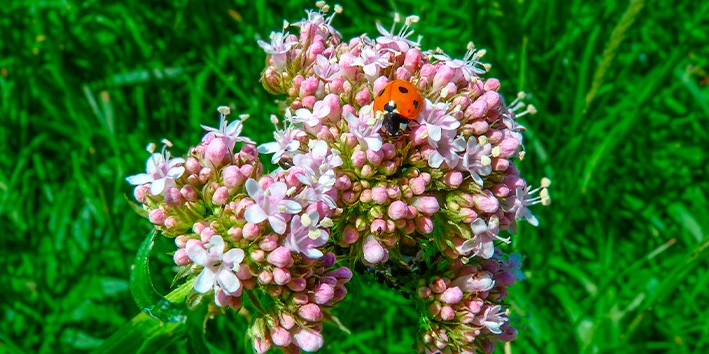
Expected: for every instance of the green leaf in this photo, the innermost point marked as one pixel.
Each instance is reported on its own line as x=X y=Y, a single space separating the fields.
x=195 y=329
x=145 y=295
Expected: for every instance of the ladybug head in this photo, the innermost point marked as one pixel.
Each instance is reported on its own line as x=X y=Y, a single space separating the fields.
x=390 y=107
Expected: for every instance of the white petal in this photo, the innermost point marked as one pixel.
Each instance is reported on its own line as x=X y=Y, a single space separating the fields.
x=234 y=256
x=217 y=248
x=292 y=206
x=478 y=226
x=205 y=281
x=254 y=214
x=313 y=253
x=228 y=280
x=278 y=223
x=175 y=172
x=198 y=255
x=435 y=159
x=278 y=189
x=157 y=186
x=374 y=144
x=268 y=148
x=253 y=189
x=138 y=179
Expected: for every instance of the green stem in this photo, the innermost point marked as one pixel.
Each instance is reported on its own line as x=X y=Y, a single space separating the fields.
x=143 y=331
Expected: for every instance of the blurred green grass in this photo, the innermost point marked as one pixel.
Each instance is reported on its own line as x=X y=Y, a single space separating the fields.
x=618 y=264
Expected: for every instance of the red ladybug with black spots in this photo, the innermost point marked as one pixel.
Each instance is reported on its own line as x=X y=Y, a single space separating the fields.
x=401 y=102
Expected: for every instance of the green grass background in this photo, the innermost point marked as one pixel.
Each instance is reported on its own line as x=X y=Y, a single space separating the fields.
x=618 y=264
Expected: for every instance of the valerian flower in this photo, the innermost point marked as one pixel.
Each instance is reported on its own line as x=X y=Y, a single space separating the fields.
x=219 y=267
x=229 y=132
x=476 y=159
x=161 y=170
x=365 y=128
x=482 y=244
x=286 y=142
x=270 y=204
x=306 y=234
x=492 y=318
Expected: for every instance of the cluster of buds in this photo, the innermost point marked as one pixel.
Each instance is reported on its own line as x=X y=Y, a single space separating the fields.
x=430 y=205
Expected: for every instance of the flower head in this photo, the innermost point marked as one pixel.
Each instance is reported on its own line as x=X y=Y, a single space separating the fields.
x=161 y=169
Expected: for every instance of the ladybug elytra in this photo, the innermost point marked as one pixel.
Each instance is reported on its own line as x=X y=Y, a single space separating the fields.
x=401 y=102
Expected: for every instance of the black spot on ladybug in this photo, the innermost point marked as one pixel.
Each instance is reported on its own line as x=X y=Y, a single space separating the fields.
x=381 y=92
x=416 y=104
x=403 y=89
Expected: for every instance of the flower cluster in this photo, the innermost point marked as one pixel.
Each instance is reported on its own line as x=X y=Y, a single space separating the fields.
x=430 y=205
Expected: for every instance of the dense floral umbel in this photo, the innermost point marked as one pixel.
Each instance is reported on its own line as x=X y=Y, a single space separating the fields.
x=425 y=210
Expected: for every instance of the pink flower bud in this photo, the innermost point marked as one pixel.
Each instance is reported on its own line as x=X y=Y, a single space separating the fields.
x=300 y=299
x=265 y=277
x=232 y=176
x=447 y=313
x=418 y=185
x=297 y=284
x=402 y=73
x=310 y=312
x=217 y=152
x=380 y=83
x=500 y=190
x=281 y=276
x=443 y=76
x=492 y=84
x=428 y=70
x=379 y=195
x=434 y=308
x=309 y=102
x=323 y=294
x=268 y=243
x=367 y=171
x=280 y=257
x=343 y=274
x=500 y=164
x=250 y=231
x=438 y=285
x=180 y=257
x=335 y=86
x=359 y=158
x=140 y=193
x=156 y=216
x=280 y=336
x=205 y=174
x=509 y=146
x=221 y=195
x=188 y=193
x=297 y=81
x=286 y=320
x=412 y=59
x=375 y=157
x=257 y=255
x=452 y=295
x=192 y=166
x=453 y=179
x=493 y=99
x=246 y=170
x=373 y=250
x=424 y=224
x=172 y=196
x=309 y=86
x=398 y=210
x=480 y=126
x=243 y=272
x=332 y=101
x=426 y=205
x=478 y=109
x=363 y=97
x=378 y=226
x=486 y=202
x=261 y=345
x=350 y=235
x=308 y=340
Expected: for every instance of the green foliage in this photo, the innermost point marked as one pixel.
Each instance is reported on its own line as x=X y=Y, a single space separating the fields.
x=618 y=264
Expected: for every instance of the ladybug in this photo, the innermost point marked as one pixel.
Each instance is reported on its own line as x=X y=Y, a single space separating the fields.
x=401 y=102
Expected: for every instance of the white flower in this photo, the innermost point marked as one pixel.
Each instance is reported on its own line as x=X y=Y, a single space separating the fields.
x=219 y=268
x=161 y=170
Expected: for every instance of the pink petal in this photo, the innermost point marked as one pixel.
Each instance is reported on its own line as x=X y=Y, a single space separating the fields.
x=198 y=255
